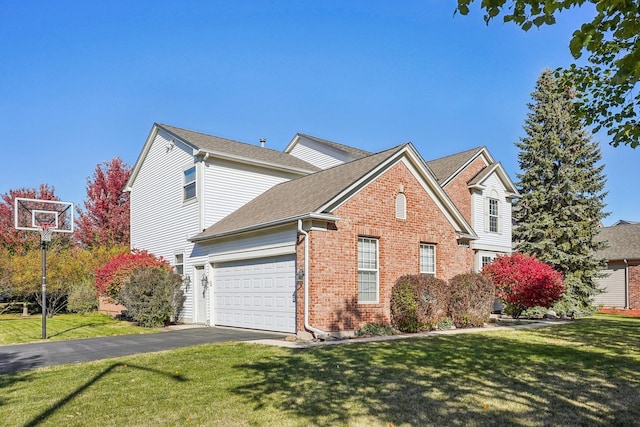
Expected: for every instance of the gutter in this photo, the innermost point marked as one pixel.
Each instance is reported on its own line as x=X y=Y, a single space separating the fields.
x=306 y=284
x=322 y=217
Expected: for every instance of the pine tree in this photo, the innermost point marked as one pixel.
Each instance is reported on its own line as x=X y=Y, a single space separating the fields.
x=562 y=186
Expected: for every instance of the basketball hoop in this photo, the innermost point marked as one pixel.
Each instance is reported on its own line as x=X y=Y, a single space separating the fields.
x=47 y=217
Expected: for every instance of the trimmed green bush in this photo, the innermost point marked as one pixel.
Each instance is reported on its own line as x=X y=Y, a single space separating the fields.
x=152 y=295
x=472 y=297
x=82 y=298
x=418 y=303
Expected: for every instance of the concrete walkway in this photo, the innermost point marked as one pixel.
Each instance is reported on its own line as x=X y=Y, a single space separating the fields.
x=20 y=357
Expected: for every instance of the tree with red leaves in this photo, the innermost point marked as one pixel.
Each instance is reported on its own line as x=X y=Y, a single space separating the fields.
x=22 y=241
x=105 y=220
x=112 y=276
x=523 y=282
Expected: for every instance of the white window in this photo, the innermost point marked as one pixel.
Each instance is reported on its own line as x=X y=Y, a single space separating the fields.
x=367 y=270
x=179 y=264
x=427 y=258
x=486 y=260
x=401 y=206
x=493 y=215
x=189 y=184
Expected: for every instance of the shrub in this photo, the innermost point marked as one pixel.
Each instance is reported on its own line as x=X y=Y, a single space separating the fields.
x=111 y=277
x=152 y=295
x=82 y=298
x=375 y=330
x=472 y=297
x=523 y=282
x=418 y=302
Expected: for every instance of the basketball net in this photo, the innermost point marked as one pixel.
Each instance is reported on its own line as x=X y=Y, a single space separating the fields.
x=45 y=232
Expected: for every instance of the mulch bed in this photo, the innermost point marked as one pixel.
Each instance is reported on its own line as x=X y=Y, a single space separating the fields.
x=632 y=313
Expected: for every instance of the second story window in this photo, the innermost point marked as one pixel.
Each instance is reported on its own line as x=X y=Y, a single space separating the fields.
x=189 y=184
x=493 y=215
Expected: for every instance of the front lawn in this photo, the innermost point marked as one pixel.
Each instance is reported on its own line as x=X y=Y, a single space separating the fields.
x=15 y=329
x=583 y=373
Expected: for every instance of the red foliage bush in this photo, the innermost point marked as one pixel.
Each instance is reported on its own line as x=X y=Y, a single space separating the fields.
x=111 y=277
x=523 y=282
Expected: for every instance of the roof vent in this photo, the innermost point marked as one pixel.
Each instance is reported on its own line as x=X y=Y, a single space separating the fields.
x=262 y=142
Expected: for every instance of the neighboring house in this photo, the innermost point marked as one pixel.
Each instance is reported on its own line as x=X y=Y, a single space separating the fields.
x=313 y=238
x=621 y=286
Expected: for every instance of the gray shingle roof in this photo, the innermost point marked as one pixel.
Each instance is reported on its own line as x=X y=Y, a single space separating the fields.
x=446 y=166
x=624 y=242
x=298 y=197
x=239 y=149
x=358 y=153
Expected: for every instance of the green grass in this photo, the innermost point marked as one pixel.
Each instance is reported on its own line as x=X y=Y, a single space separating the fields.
x=15 y=329
x=583 y=373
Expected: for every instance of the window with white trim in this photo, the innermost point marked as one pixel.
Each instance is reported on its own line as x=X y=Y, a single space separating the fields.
x=493 y=215
x=486 y=260
x=427 y=258
x=178 y=264
x=189 y=184
x=367 y=270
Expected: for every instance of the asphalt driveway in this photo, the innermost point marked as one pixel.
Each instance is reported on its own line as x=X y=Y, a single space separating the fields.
x=20 y=357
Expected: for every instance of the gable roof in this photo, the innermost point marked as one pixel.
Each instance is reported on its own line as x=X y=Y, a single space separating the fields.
x=446 y=167
x=240 y=150
x=355 y=152
x=317 y=194
x=203 y=144
x=623 y=240
x=497 y=168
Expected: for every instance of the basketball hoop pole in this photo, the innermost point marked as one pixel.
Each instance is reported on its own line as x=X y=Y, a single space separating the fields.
x=43 y=243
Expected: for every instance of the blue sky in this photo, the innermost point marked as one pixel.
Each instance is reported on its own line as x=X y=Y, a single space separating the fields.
x=83 y=81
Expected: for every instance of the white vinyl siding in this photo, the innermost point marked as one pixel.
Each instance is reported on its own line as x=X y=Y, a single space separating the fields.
x=427 y=259
x=229 y=186
x=160 y=220
x=498 y=242
x=614 y=287
x=320 y=155
x=367 y=270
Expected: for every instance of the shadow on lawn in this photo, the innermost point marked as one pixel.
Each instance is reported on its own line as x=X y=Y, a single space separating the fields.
x=86 y=325
x=62 y=402
x=480 y=379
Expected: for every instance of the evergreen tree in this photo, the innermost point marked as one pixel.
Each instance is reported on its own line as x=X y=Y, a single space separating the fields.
x=562 y=187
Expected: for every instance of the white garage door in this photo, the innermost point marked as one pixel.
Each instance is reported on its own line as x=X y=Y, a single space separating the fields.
x=613 y=285
x=256 y=294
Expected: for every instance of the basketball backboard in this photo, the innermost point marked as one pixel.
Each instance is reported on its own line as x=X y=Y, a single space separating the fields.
x=37 y=215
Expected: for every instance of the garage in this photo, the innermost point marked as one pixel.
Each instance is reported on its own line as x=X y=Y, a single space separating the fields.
x=614 y=288
x=256 y=294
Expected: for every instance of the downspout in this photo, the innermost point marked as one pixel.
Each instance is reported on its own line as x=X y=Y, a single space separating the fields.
x=626 y=284
x=306 y=284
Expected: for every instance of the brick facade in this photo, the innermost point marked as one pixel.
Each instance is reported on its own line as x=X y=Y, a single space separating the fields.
x=333 y=254
x=458 y=191
x=634 y=285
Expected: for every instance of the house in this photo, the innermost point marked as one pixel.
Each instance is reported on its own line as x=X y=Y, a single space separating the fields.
x=311 y=239
x=621 y=284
